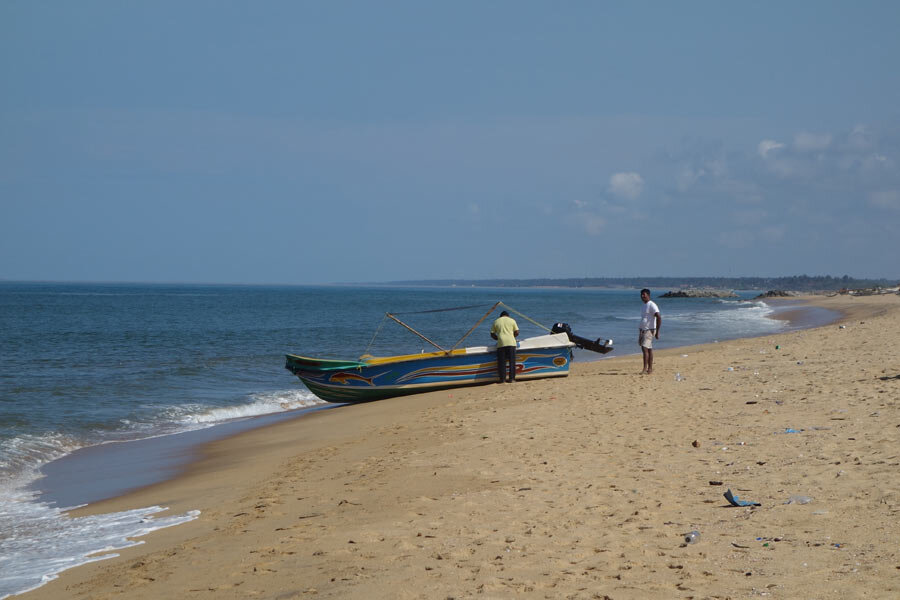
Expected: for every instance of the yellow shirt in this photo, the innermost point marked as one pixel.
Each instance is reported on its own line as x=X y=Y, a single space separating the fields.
x=505 y=328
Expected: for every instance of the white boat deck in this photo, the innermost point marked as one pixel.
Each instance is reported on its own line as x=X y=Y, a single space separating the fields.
x=551 y=340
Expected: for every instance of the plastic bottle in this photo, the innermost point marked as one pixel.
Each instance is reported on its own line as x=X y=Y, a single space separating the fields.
x=692 y=537
x=799 y=500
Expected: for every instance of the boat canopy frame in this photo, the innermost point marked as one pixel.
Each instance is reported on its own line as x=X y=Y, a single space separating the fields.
x=393 y=317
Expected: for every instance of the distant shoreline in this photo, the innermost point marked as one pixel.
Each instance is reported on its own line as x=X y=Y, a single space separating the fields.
x=799 y=283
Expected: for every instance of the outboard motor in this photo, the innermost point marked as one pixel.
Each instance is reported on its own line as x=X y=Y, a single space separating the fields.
x=599 y=345
x=561 y=328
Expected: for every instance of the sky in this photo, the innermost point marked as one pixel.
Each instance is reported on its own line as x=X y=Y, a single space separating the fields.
x=306 y=142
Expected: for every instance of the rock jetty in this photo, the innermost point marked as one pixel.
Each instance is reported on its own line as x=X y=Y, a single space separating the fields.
x=704 y=293
x=777 y=294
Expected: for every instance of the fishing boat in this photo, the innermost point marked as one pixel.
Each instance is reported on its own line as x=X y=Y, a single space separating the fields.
x=375 y=378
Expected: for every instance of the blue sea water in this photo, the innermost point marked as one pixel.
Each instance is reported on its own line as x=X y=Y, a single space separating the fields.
x=90 y=364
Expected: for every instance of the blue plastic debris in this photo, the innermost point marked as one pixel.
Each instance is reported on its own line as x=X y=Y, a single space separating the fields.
x=735 y=501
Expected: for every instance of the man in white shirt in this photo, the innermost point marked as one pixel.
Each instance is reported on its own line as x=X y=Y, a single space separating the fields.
x=649 y=329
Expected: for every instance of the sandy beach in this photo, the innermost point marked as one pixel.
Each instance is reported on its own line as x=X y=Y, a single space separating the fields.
x=582 y=487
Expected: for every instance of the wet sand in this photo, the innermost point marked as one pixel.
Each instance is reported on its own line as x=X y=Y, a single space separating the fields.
x=578 y=488
x=800 y=314
x=106 y=471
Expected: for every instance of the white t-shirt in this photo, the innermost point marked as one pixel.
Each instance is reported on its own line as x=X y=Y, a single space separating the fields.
x=648 y=315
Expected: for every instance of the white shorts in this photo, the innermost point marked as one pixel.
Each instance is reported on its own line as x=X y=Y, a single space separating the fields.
x=646 y=338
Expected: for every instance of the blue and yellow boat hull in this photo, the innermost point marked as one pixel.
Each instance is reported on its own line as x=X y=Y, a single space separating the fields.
x=374 y=378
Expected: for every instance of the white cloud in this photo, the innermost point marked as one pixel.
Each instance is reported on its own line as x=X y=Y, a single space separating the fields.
x=708 y=171
x=889 y=199
x=688 y=177
x=626 y=185
x=810 y=142
x=767 y=146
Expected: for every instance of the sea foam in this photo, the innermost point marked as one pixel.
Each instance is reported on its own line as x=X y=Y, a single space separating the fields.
x=39 y=541
x=260 y=404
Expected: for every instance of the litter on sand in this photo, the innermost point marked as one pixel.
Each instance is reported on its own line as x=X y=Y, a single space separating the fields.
x=735 y=501
x=799 y=500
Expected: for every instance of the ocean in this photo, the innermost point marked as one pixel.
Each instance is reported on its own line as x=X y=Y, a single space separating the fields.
x=88 y=365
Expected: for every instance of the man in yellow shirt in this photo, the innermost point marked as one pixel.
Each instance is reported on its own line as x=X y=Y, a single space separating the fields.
x=505 y=331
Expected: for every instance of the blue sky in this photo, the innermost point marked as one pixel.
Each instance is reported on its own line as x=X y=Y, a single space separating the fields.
x=314 y=142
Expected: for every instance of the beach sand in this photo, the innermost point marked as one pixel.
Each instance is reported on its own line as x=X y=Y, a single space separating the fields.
x=582 y=487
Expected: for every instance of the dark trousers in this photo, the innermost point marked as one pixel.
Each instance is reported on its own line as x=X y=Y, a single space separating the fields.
x=506 y=354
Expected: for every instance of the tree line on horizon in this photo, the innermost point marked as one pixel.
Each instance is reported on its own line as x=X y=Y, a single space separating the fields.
x=799 y=283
